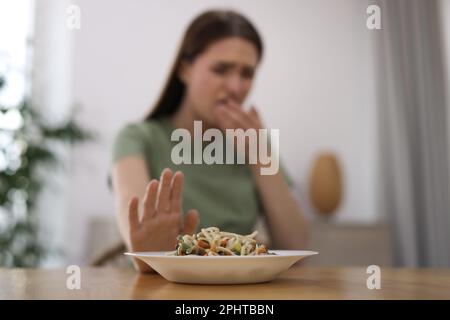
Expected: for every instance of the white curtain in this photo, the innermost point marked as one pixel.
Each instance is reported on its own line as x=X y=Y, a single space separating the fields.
x=52 y=94
x=413 y=131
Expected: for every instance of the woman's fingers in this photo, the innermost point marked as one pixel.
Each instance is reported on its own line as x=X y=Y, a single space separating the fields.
x=176 y=197
x=191 y=220
x=233 y=117
x=133 y=217
x=237 y=117
x=224 y=121
x=255 y=117
x=163 y=201
x=242 y=117
x=151 y=194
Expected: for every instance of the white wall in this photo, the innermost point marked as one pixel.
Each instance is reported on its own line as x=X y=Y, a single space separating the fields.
x=315 y=84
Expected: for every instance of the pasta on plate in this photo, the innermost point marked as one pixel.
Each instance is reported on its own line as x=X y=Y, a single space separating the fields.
x=213 y=242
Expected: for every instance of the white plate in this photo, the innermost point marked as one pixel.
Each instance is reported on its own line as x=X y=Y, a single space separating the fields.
x=221 y=269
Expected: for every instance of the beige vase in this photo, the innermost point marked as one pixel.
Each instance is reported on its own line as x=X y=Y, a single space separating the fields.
x=325 y=185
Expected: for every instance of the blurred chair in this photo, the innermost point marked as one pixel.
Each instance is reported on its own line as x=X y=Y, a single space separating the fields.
x=104 y=246
x=350 y=245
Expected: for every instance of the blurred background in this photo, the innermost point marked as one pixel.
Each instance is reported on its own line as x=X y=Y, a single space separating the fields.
x=362 y=113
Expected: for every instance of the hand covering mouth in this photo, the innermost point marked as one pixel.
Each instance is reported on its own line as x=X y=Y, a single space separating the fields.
x=226 y=102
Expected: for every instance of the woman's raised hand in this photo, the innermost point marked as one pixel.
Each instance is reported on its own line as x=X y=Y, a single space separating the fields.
x=162 y=215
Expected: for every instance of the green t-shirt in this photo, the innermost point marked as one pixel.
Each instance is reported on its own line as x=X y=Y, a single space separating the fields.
x=224 y=194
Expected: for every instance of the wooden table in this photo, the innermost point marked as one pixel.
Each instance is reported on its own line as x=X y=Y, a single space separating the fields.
x=295 y=283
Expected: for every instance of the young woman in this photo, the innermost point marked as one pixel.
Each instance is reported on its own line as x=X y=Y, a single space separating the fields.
x=210 y=79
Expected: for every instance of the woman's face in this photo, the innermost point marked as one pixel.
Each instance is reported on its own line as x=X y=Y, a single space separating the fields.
x=223 y=72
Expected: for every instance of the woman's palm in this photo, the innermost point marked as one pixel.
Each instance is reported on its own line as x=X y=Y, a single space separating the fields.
x=162 y=219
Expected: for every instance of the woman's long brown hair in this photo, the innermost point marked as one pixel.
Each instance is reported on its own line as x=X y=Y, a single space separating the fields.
x=207 y=28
